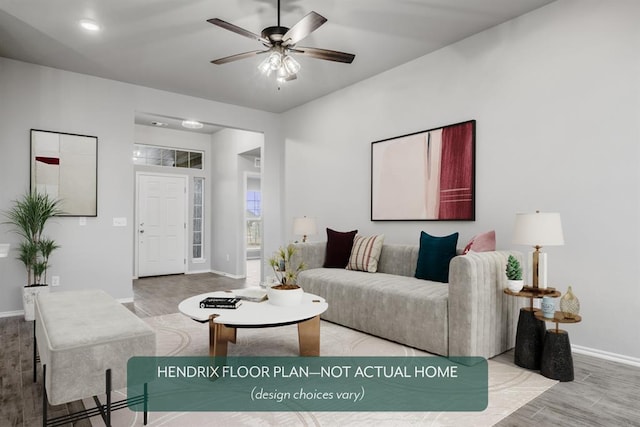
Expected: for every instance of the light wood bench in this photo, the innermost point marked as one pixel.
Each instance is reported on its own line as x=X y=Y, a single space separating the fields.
x=85 y=339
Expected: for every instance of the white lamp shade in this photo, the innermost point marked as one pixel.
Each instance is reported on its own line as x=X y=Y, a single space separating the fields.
x=538 y=229
x=4 y=250
x=304 y=226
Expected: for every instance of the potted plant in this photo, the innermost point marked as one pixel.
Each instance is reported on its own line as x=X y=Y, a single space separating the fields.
x=29 y=217
x=514 y=274
x=286 y=292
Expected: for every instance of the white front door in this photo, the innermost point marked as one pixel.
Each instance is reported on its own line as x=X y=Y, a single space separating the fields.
x=161 y=228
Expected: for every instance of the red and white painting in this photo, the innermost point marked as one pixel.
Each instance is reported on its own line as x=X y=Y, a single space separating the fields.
x=427 y=175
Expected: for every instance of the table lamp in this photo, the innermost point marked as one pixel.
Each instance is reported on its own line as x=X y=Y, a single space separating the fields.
x=4 y=250
x=538 y=229
x=304 y=227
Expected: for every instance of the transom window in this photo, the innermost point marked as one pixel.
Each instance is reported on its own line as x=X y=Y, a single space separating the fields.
x=150 y=155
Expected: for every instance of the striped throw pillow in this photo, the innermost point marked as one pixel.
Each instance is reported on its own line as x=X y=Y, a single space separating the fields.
x=365 y=253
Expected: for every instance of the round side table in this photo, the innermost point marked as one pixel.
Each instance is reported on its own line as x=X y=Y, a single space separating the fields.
x=531 y=330
x=557 y=361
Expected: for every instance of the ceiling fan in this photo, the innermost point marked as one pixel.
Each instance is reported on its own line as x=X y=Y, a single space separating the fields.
x=280 y=42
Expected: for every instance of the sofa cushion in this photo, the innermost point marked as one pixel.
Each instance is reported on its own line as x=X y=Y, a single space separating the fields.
x=366 y=253
x=483 y=242
x=434 y=256
x=338 y=249
x=398 y=308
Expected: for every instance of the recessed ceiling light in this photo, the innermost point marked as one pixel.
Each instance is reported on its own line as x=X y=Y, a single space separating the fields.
x=192 y=124
x=90 y=25
x=159 y=124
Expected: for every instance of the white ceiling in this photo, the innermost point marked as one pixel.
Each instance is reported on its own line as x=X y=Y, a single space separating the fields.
x=167 y=44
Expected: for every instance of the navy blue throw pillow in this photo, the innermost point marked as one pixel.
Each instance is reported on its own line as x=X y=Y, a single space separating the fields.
x=435 y=255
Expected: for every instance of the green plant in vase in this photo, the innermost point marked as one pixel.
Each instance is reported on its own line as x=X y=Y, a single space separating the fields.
x=285 y=272
x=514 y=274
x=29 y=216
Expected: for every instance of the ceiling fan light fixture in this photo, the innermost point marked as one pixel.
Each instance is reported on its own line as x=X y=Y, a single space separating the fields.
x=291 y=65
x=265 y=66
x=275 y=60
x=282 y=75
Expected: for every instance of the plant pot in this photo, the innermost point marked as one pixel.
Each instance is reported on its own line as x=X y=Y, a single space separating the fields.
x=515 y=285
x=284 y=297
x=29 y=295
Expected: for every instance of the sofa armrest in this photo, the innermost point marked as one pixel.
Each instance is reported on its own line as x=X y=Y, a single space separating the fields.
x=482 y=318
x=312 y=254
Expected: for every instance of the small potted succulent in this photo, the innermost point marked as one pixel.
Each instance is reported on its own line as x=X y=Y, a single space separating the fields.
x=514 y=274
x=286 y=292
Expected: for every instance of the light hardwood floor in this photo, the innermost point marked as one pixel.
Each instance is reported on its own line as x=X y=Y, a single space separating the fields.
x=603 y=393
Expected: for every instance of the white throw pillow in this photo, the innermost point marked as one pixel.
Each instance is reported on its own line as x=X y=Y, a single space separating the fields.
x=365 y=253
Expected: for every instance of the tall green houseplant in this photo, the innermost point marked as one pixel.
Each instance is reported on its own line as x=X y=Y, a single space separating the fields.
x=29 y=217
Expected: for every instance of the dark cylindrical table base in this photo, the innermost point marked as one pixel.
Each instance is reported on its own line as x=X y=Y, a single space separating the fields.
x=529 y=340
x=557 y=362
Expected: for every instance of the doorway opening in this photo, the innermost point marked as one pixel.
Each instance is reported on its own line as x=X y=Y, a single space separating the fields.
x=252 y=238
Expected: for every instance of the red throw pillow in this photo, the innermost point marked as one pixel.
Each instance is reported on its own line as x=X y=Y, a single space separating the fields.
x=339 y=246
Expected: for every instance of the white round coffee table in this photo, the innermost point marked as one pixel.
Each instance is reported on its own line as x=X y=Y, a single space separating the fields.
x=223 y=323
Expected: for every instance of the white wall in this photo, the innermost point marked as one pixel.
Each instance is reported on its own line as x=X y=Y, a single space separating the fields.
x=228 y=249
x=556 y=97
x=98 y=255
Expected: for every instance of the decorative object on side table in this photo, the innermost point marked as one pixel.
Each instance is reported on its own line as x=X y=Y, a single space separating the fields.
x=538 y=229
x=29 y=217
x=287 y=293
x=514 y=274
x=548 y=306
x=570 y=304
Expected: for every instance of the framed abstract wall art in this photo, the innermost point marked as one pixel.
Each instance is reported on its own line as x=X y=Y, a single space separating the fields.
x=65 y=166
x=425 y=176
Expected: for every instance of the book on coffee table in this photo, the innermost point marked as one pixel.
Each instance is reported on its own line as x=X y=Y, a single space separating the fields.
x=253 y=294
x=220 y=302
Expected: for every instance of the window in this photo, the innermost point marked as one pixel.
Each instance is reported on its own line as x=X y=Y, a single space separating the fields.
x=149 y=155
x=253 y=214
x=198 y=218
x=254 y=205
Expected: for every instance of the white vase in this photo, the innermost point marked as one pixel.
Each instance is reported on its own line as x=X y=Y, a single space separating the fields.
x=29 y=295
x=284 y=297
x=515 y=285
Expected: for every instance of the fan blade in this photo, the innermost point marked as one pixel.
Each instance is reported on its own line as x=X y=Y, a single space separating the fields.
x=237 y=57
x=246 y=33
x=326 y=54
x=308 y=24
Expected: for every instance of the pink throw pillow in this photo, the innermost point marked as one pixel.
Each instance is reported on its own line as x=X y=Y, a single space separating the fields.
x=483 y=242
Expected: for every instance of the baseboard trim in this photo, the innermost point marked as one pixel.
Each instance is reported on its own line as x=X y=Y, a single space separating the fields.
x=198 y=271
x=125 y=300
x=11 y=313
x=601 y=354
x=232 y=276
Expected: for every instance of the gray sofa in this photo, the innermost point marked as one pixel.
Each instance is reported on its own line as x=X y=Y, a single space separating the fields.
x=469 y=316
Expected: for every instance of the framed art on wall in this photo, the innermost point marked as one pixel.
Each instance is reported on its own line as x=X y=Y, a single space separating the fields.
x=425 y=176
x=65 y=166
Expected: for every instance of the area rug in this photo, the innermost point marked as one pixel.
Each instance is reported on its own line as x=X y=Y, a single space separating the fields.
x=510 y=387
